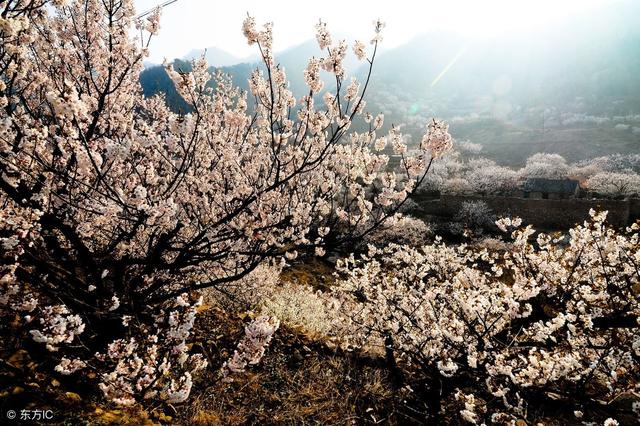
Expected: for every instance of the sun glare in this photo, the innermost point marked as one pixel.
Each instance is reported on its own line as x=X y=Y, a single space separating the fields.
x=219 y=26
x=494 y=17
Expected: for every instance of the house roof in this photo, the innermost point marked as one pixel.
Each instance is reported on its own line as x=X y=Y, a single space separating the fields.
x=557 y=186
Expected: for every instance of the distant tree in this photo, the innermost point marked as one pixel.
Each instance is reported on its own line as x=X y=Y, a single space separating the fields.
x=489 y=179
x=543 y=165
x=440 y=172
x=608 y=163
x=475 y=176
x=583 y=171
x=456 y=186
x=475 y=215
x=469 y=147
x=615 y=184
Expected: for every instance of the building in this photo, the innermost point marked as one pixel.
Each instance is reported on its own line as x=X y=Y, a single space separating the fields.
x=554 y=189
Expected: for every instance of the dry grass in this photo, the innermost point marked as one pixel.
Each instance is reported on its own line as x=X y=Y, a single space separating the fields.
x=316 y=391
x=298 y=382
x=312 y=272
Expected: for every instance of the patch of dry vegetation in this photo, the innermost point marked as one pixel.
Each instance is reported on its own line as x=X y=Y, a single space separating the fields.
x=314 y=273
x=299 y=381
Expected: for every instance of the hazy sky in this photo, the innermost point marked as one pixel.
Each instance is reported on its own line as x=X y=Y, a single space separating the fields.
x=195 y=24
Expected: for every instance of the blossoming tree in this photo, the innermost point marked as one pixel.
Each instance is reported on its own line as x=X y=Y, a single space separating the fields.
x=115 y=209
x=615 y=184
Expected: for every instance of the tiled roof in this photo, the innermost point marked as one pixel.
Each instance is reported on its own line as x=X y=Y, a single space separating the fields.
x=557 y=186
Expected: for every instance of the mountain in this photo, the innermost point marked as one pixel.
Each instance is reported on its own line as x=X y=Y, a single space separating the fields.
x=155 y=80
x=572 y=87
x=294 y=60
x=217 y=57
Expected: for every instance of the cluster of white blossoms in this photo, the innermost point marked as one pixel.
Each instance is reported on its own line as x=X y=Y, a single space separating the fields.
x=323 y=36
x=468 y=413
x=437 y=140
x=506 y=223
x=156 y=365
x=400 y=229
x=58 y=326
x=359 y=50
x=20 y=225
x=312 y=75
x=254 y=343
x=69 y=366
x=11 y=26
x=540 y=318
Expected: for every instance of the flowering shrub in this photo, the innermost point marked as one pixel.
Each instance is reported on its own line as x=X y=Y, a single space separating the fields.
x=475 y=215
x=299 y=306
x=401 y=229
x=491 y=178
x=114 y=206
x=538 y=319
x=296 y=305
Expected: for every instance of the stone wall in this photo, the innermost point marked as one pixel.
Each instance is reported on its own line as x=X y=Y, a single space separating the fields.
x=634 y=209
x=543 y=213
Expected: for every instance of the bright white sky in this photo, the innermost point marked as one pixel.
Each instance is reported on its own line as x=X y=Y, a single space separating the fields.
x=195 y=24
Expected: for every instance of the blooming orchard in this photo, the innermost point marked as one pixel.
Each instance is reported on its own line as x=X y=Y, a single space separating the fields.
x=116 y=211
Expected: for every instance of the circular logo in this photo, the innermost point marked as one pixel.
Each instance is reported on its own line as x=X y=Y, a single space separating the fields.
x=11 y=414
